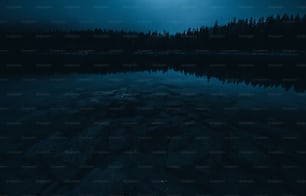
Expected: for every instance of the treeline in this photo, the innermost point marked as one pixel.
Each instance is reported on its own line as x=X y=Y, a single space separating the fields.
x=273 y=33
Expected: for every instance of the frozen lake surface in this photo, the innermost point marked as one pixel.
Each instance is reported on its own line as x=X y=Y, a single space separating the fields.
x=149 y=133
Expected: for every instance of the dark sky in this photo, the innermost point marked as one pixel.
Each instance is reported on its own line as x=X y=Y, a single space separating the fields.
x=141 y=15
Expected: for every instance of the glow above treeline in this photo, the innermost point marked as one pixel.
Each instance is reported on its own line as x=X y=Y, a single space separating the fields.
x=140 y=15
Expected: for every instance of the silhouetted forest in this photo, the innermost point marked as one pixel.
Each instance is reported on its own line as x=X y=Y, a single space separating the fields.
x=267 y=51
x=273 y=33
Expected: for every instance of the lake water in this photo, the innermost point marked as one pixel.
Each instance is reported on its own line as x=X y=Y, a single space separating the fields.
x=150 y=133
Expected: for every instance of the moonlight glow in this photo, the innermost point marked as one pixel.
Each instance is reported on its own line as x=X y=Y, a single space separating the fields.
x=160 y=15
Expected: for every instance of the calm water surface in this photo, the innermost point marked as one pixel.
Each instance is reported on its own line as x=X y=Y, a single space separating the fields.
x=149 y=133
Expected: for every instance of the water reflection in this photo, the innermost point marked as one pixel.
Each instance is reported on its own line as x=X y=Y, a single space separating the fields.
x=290 y=73
x=157 y=133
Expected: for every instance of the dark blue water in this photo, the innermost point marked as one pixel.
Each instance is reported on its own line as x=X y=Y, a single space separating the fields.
x=148 y=133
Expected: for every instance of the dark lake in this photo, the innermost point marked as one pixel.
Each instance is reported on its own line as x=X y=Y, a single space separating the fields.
x=150 y=133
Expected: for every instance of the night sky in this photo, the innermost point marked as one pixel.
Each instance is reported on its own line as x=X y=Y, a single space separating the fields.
x=139 y=15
